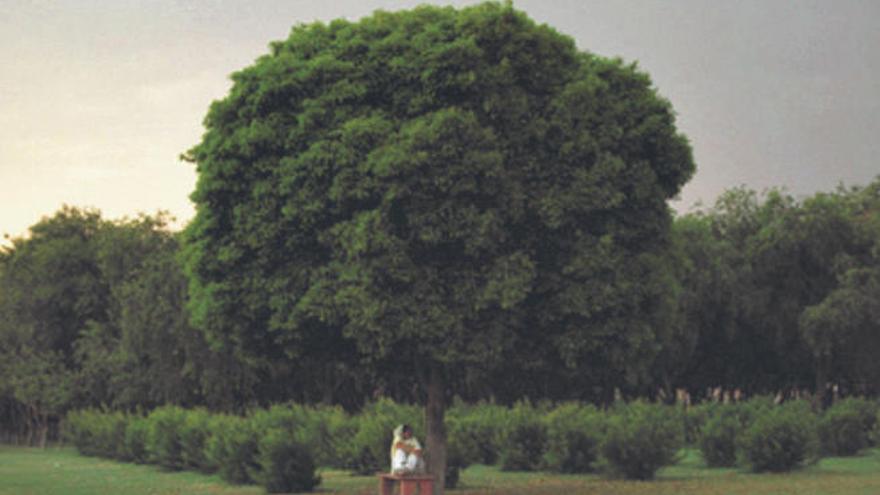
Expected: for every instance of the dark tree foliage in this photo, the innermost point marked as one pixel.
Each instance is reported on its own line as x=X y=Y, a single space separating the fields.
x=441 y=190
x=779 y=293
x=92 y=313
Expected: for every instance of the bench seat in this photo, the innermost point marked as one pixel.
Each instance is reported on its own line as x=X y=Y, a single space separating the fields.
x=410 y=484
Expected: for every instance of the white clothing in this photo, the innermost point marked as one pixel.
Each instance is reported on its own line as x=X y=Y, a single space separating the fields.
x=404 y=463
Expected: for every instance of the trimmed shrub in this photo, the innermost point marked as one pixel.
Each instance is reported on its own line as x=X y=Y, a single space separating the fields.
x=845 y=428
x=781 y=439
x=718 y=438
x=285 y=464
x=325 y=430
x=574 y=433
x=163 y=436
x=476 y=430
x=695 y=419
x=232 y=449
x=339 y=429
x=136 y=439
x=524 y=439
x=756 y=407
x=97 y=433
x=194 y=433
x=79 y=429
x=641 y=438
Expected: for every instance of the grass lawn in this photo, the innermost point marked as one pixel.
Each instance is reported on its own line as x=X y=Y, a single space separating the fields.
x=54 y=471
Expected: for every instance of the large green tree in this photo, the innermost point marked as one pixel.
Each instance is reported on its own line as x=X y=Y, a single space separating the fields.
x=436 y=192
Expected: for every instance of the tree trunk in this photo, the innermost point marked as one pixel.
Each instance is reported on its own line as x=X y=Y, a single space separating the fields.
x=822 y=368
x=44 y=430
x=435 y=410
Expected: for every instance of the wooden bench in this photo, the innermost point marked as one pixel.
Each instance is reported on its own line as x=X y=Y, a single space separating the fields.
x=410 y=484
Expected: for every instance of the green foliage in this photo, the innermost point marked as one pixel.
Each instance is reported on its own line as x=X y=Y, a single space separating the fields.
x=781 y=439
x=845 y=428
x=232 y=448
x=695 y=418
x=85 y=430
x=473 y=434
x=641 y=438
x=97 y=433
x=285 y=464
x=718 y=437
x=164 y=436
x=523 y=439
x=136 y=433
x=194 y=434
x=326 y=431
x=460 y=187
x=476 y=431
x=574 y=434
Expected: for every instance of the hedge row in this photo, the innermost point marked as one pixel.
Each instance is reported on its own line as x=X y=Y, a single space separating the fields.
x=280 y=447
x=765 y=437
x=270 y=447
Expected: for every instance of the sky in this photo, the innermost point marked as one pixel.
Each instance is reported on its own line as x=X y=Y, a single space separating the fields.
x=98 y=99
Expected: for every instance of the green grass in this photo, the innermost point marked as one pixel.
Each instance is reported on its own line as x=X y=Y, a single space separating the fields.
x=56 y=471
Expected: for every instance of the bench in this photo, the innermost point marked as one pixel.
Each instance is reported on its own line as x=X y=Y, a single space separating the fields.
x=410 y=484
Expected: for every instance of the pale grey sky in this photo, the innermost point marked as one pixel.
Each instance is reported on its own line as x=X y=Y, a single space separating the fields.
x=98 y=98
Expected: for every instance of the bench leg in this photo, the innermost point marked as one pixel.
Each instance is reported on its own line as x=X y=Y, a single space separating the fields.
x=386 y=487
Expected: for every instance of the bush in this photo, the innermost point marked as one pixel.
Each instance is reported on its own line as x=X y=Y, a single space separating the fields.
x=97 y=433
x=695 y=419
x=194 y=433
x=524 y=439
x=756 y=407
x=232 y=448
x=285 y=464
x=641 y=438
x=136 y=440
x=845 y=428
x=781 y=439
x=163 y=436
x=326 y=431
x=718 y=438
x=476 y=431
x=574 y=433
x=341 y=428
x=80 y=430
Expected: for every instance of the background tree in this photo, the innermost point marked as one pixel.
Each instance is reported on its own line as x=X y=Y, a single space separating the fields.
x=843 y=329
x=433 y=191
x=760 y=278
x=92 y=313
x=50 y=289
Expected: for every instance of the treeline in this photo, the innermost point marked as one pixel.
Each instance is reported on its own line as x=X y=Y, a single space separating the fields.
x=767 y=293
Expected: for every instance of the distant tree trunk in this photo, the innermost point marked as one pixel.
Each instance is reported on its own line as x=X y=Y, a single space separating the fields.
x=435 y=411
x=44 y=429
x=822 y=366
x=32 y=424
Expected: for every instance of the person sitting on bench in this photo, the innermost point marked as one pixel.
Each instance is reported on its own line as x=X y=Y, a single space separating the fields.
x=406 y=452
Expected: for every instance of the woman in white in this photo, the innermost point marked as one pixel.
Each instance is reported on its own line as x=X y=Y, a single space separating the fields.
x=406 y=452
